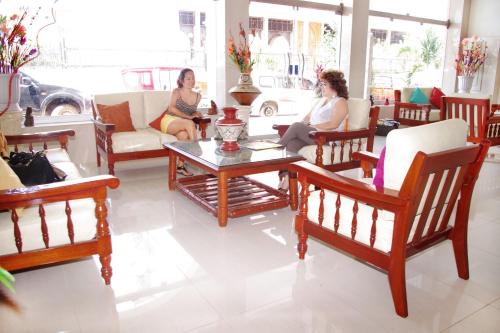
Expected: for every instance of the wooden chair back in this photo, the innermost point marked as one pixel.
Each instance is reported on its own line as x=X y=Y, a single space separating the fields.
x=473 y=111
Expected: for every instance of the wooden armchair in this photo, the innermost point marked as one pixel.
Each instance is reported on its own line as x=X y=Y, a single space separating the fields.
x=57 y=222
x=333 y=150
x=385 y=226
x=411 y=114
x=482 y=121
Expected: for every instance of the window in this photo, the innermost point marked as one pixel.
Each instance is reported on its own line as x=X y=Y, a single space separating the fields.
x=186 y=18
x=280 y=25
x=256 y=23
x=379 y=35
x=397 y=37
x=78 y=60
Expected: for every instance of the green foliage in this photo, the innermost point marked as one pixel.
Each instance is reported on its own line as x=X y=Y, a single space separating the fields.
x=429 y=47
x=6 y=279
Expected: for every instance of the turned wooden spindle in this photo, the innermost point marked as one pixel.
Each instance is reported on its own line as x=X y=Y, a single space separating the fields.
x=373 y=231
x=101 y=212
x=17 y=231
x=337 y=214
x=45 y=231
x=321 y=213
x=342 y=144
x=69 y=223
x=354 y=224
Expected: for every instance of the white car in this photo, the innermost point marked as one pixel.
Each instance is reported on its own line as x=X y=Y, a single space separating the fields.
x=281 y=95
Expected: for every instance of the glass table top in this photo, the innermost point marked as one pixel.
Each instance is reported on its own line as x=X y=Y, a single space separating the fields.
x=209 y=151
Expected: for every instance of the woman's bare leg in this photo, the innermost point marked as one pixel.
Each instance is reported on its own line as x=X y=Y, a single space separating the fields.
x=180 y=125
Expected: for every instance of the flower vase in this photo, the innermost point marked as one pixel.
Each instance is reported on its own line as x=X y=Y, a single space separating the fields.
x=465 y=84
x=244 y=92
x=15 y=92
x=229 y=128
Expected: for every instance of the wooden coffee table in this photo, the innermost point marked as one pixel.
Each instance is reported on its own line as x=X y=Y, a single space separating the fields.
x=225 y=191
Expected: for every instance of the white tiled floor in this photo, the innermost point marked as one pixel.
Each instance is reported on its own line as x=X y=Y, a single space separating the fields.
x=175 y=270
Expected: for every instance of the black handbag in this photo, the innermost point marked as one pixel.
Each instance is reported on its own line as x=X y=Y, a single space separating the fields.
x=33 y=168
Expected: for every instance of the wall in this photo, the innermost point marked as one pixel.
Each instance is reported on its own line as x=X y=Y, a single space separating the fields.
x=484 y=22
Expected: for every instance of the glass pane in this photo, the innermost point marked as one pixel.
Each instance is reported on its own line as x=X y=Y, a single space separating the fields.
x=110 y=53
x=432 y=9
x=404 y=54
x=288 y=48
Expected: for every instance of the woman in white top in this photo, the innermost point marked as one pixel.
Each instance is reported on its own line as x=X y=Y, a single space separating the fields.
x=329 y=114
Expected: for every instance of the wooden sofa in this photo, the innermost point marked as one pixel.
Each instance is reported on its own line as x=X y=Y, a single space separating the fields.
x=57 y=222
x=429 y=178
x=411 y=114
x=333 y=150
x=145 y=142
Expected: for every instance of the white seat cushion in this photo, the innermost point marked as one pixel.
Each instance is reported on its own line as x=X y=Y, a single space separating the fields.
x=384 y=225
x=70 y=169
x=144 y=139
x=82 y=214
x=155 y=103
x=164 y=137
x=135 y=102
x=55 y=155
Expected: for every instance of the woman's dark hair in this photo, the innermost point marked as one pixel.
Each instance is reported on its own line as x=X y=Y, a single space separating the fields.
x=336 y=81
x=182 y=75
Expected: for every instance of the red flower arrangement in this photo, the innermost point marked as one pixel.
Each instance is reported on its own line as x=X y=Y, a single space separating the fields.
x=471 y=56
x=240 y=54
x=16 y=50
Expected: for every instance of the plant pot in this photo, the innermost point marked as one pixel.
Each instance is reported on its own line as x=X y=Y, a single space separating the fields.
x=244 y=92
x=229 y=128
x=15 y=92
x=465 y=84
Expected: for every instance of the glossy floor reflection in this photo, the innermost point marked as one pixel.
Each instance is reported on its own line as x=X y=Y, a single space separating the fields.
x=175 y=270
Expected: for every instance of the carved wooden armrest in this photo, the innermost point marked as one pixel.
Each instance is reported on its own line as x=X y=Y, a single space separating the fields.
x=106 y=128
x=60 y=191
x=368 y=161
x=202 y=123
x=337 y=136
x=281 y=129
x=382 y=198
x=30 y=138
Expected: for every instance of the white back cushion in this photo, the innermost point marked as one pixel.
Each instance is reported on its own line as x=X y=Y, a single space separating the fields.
x=359 y=113
x=155 y=103
x=135 y=102
x=406 y=93
x=403 y=144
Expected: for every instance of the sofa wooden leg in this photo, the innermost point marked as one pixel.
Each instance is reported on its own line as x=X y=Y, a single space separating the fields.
x=106 y=270
x=397 y=282
x=111 y=168
x=302 y=245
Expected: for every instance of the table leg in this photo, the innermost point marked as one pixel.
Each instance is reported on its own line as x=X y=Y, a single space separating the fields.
x=222 y=199
x=172 y=170
x=293 y=189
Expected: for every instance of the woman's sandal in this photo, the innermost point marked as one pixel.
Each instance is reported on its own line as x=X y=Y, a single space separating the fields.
x=181 y=170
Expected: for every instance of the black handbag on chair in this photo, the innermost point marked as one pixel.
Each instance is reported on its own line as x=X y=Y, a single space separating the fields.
x=33 y=168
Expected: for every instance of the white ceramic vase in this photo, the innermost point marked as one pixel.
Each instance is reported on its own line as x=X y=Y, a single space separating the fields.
x=15 y=92
x=465 y=84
